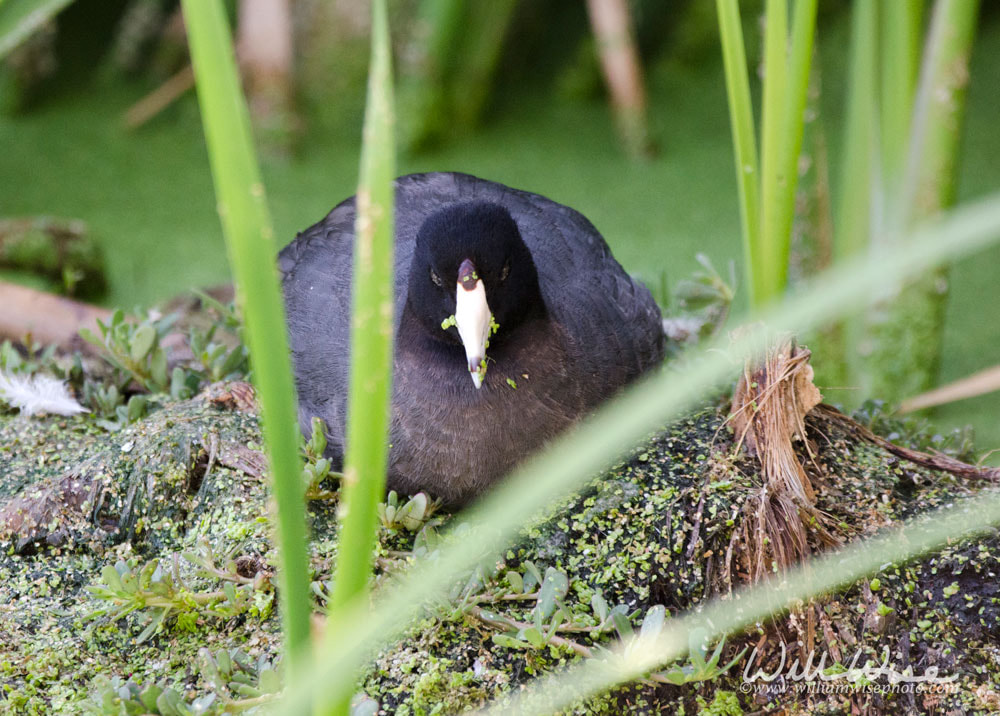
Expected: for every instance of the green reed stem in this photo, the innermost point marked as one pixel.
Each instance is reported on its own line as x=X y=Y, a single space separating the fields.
x=773 y=253
x=744 y=142
x=246 y=225
x=796 y=94
x=939 y=108
x=899 y=49
x=366 y=454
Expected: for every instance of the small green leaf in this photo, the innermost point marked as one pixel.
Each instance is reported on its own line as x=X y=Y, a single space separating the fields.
x=652 y=623
x=554 y=587
x=88 y=335
x=622 y=625
x=149 y=696
x=533 y=636
x=202 y=704
x=142 y=341
x=509 y=641
x=675 y=676
x=136 y=407
x=230 y=591
x=168 y=703
x=158 y=368
x=269 y=681
x=246 y=690
x=110 y=576
x=151 y=627
x=532 y=576
x=600 y=606
x=411 y=515
x=224 y=662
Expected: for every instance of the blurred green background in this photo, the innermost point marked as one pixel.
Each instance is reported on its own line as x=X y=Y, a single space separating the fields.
x=147 y=199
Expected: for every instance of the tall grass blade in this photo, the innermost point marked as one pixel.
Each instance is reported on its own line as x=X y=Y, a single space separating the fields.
x=744 y=143
x=605 y=436
x=20 y=18
x=250 y=242
x=366 y=454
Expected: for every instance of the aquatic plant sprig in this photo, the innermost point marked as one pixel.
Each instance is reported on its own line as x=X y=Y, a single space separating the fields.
x=411 y=515
x=134 y=348
x=239 y=683
x=164 y=592
x=317 y=468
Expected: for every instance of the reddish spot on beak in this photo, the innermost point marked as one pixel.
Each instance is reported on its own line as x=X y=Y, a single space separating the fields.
x=467 y=276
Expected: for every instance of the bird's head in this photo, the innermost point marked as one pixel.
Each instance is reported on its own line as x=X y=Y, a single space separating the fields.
x=472 y=276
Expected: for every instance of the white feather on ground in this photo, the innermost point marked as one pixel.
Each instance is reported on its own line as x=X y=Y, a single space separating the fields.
x=38 y=394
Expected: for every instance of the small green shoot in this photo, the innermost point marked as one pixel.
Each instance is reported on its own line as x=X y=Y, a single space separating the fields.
x=316 y=467
x=411 y=516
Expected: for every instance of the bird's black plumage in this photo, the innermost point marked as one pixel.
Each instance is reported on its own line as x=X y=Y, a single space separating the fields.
x=574 y=328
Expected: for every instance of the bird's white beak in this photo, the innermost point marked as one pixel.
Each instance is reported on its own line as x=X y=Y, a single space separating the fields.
x=472 y=318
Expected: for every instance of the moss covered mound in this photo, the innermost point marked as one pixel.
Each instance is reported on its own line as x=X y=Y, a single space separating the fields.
x=141 y=560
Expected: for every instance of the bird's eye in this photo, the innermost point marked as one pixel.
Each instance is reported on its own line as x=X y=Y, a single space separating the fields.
x=436 y=279
x=505 y=271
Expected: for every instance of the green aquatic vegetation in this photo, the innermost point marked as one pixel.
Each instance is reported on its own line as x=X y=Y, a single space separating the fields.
x=411 y=515
x=160 y=590
x=108 y=402
x=625 y=544
x=135 y=349
x=35 y=359
x=240 y=683
x=316 y=467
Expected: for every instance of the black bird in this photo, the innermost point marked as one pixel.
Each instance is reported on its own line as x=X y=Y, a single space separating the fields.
x=512 y=319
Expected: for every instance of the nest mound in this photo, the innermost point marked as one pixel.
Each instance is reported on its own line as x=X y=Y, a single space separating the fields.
x=663 y=528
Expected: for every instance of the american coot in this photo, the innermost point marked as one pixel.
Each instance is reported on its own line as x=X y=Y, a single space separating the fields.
x=483 y=272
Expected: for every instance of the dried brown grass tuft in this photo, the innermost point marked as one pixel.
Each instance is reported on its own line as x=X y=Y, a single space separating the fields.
x=770 y=403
